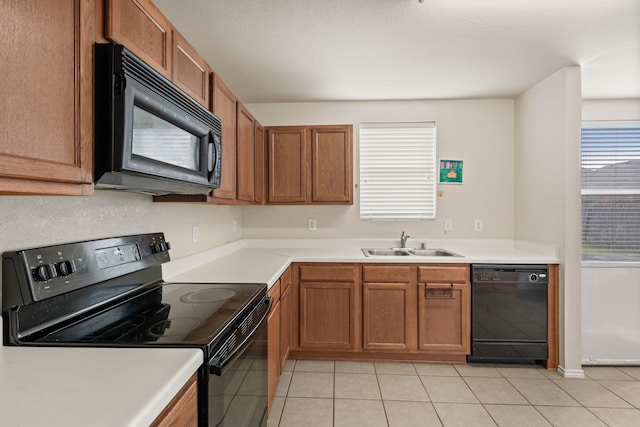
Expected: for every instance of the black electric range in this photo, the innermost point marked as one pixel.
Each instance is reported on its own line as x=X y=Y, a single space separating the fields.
x=110 y=292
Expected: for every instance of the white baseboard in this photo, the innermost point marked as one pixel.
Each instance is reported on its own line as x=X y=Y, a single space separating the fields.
x=611 y=362
x=570 y=373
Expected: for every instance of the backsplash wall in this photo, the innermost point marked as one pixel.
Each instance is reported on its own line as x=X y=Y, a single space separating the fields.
x=33 y=221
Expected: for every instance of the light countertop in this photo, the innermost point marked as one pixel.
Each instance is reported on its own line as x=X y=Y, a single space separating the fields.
x=73 y=386
x=264 y=260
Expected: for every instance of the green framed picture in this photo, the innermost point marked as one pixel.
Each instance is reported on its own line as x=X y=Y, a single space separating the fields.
x=451 y=172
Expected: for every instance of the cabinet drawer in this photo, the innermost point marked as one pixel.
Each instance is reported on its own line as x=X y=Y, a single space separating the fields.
x=444 y=273
x=327 y=273
x=386 y=274
x=274 y=292
x=285 y=280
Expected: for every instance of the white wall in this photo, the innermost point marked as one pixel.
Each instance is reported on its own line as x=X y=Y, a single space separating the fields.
x=480 y=132
x=611 y=109
x=610 y=292
x=547 y=186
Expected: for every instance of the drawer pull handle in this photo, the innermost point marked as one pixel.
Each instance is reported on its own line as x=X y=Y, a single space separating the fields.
x=438 y=291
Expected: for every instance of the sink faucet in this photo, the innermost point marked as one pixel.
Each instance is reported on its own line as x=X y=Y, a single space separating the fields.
x=403 y=240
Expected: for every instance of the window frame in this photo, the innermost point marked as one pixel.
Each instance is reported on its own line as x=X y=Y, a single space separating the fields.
x=616 y=193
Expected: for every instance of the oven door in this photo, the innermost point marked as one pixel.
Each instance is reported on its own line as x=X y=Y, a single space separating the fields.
x=237 y=386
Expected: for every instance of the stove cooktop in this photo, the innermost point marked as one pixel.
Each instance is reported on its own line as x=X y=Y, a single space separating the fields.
x=175 y=314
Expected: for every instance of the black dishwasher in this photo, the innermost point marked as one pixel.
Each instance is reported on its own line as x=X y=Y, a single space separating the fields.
x=508 y=313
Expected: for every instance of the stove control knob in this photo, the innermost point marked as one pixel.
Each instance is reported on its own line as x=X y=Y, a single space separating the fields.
x=157 y=248
x=64 y=268
x=45 y=272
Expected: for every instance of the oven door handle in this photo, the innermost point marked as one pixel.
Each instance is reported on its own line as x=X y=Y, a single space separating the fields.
x=217 y=364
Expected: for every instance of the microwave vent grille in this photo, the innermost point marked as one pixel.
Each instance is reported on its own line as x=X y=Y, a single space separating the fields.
x=135 y=68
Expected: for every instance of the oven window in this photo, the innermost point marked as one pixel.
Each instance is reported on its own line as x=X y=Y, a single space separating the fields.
x=157 y=139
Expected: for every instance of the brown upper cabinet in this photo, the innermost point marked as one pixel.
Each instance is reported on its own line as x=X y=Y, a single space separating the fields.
x=143 y=29
x=246 y=148
x=331 y=164
x=190 y=71
x=224 y=106
x=46 y=127
x=287 y=165
x=259 y=197
x=309 y=164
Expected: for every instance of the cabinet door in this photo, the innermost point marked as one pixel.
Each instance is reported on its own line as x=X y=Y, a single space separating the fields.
x=273 y=348
x=389 y=316
x=143 y=29
x=288 y=165
x=183 y=408
x=285 y=324
x=286 y=315
x=224 y=106
x=443 y=317
x=246 y=154
x=190 y=72
x=331 y=165
x=327 y=316
x=260 y=163
x=46 y=124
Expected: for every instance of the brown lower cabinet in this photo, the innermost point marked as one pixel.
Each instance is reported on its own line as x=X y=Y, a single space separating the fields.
x=381 y=311
x=273 y=345
x=278 y=332
x=285 y=316
x=444 y=314
x=183 y=408
x=327 y=307
x=388 y=308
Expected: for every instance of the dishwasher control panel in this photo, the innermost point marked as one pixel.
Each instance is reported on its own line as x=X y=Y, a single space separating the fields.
x=491 y=273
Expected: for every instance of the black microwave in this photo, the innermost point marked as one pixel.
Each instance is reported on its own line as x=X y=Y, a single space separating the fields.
x=150 y=137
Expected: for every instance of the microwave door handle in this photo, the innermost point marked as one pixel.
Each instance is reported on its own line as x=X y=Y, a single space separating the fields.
x=211 y=155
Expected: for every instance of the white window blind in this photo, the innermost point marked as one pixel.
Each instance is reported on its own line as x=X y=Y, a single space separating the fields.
x=398 y=171
x=611 y=191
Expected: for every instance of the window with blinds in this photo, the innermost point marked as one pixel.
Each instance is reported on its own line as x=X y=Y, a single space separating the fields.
x=398 y=171
x=611 y=191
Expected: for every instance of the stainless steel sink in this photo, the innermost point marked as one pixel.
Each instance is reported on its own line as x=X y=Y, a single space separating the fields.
x=433 y=252
x=408 y=252
x=385 y=252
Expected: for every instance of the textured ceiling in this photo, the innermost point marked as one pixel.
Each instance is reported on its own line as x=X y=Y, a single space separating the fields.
x=304 y=50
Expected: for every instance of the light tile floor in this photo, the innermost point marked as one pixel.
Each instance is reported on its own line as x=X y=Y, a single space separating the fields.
x=349 y=394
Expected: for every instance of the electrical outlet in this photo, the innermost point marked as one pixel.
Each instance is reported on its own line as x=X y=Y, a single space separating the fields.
x=477 y=225
x=195 y=233
x=311 y=224
x=448 y=225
